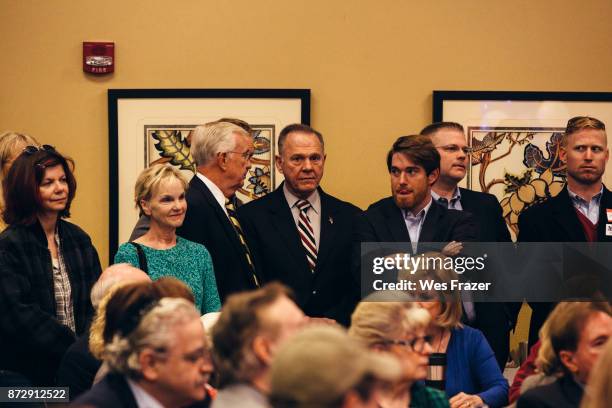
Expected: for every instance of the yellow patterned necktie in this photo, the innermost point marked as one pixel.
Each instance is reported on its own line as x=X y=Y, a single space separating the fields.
x=231 y=212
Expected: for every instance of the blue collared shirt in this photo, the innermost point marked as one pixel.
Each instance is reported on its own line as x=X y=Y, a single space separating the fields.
x=589 y=209
x=454 y=203
x=414 y=223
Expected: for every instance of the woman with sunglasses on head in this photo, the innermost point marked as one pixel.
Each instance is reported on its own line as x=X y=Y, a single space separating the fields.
x=11 y=146
x=461 y=363
x=398 y=328
x=47 y=266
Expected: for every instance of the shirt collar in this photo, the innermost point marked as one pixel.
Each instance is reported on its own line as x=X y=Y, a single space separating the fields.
x=214 y=189
x=596 y=198
x=421 y=214
x=143 y=398
x=456 y=195
x=314 y=199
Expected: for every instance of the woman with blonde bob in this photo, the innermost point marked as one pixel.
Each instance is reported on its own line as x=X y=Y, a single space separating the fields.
x=399 y=328
x=160 y=194
x=462 y=362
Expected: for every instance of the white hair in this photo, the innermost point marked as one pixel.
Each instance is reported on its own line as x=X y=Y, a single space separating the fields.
x=155 y=330
x=212 y=138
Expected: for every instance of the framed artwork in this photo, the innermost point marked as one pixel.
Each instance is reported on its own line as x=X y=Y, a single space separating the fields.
x=149 y=126
x=515 y=140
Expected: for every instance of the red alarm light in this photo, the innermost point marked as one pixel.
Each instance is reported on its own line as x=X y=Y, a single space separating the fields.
x=98 y=57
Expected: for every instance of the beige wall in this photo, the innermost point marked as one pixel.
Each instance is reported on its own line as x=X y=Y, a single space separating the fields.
x=371 y=65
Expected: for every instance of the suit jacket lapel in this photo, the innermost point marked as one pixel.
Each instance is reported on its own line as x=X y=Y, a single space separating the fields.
x=428 y=230
x=328 y=228
x=395 y=222
x=565 y=214
x=604 y=204
x=219 y=213
x=282 y=220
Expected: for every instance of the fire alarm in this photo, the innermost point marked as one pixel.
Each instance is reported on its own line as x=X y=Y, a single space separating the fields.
x=99 y=57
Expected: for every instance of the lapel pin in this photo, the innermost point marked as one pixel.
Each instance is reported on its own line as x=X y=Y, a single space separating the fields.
x=331 y=220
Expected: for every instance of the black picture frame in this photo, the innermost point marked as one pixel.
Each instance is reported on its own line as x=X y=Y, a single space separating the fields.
x=115 y=96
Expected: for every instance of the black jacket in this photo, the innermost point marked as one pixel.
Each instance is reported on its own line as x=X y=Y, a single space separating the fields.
x=563 y=393
x=274 y=239
x=207 y=224
x=32 y=340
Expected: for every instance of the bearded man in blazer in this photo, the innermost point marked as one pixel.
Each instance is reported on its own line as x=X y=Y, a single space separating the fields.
x=582 y=211
x=410 y=215
x=494 y=319
x=300 y=235
x=222 y=152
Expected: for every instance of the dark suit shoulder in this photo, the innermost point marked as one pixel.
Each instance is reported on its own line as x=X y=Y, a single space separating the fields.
x=259 y=204
x=477 y=195
x=112 y=391
x=339 y=204
x=380 y=205
x=564 y=392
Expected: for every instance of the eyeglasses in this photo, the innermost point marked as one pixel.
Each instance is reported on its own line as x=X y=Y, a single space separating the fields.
x=33 y=149
x=248 y=155
x=455 y=148
x=417 y=344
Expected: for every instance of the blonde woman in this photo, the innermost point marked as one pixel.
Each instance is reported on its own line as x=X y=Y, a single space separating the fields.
x=11 y=146
x=399 y=328
x=160 y=194
x=462 y=362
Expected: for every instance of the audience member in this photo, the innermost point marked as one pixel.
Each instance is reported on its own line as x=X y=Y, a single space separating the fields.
x=156 y=351
x=160 y=194
x=399 y=328
x=222 y=152
x=462 y=362
x=494 y=319
x=300 y=235
x=78 y=367
x=249 y=331
x=142 y=226
x=322 y=367
x=599 y=390
x=47 y=266
x=578 y=212
x=578 y=332
x=11 y=146
x=410 y=215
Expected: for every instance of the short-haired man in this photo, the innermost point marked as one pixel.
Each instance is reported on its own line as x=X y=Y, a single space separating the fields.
x=251 y=327
x=410 y=215
x=222 y=152
x=159 y=361
x=301 y=235
x=578 y=334
x=323 y=367
x=494 y=319
x=78 y=367
x=579 y=213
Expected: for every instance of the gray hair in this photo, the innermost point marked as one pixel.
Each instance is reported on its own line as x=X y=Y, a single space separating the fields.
x=212 y=138
x=155 y=330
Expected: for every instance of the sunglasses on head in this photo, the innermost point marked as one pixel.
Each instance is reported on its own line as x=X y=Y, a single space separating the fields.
x=33 y=149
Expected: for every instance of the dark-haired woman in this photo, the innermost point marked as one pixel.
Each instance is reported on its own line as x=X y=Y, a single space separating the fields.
x=47 y=266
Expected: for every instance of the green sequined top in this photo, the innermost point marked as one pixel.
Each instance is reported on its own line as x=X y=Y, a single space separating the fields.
x=187 y=261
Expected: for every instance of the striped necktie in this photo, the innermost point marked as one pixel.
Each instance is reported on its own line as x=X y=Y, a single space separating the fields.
x=307 y=234
x=231 y=212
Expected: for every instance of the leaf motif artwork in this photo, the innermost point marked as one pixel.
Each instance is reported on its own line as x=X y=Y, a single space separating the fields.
x=171 y=144
x=520 y=166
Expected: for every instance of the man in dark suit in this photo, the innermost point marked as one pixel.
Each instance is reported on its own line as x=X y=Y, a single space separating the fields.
x=222 y=152
x=494 y=319
x=301 y=235
x=579 y=213
x=410 y=215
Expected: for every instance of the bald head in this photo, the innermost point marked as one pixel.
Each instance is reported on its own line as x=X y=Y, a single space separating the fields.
x=112 y=275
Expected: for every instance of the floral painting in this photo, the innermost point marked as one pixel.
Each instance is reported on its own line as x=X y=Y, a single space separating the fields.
x=171 y=144
x=519 y=165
